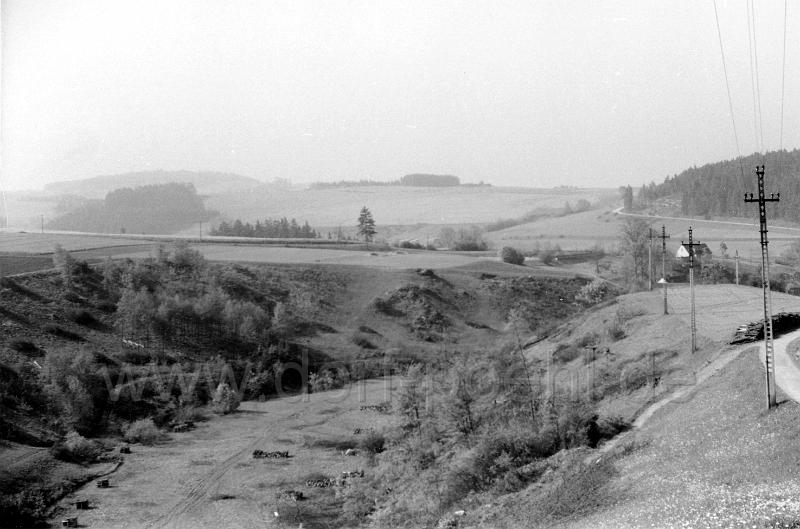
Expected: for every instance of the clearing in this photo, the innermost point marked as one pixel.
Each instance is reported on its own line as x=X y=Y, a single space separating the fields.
x=209 y=478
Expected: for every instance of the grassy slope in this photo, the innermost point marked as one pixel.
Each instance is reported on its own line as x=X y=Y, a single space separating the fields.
x=473 y=307
x=711 y=458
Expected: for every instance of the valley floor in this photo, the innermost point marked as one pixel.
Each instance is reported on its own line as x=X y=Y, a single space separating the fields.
x=208 y=477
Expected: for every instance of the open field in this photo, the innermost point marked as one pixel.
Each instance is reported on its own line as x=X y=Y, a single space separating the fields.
x=602 y=227
x=208 y=478
x=43 y=243
x=396 y=204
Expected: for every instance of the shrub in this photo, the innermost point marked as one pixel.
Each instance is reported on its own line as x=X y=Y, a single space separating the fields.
x=190 y=414
x=411 y=245
x=588 y=339
x=470 y=246
x=566 y=353
x=363 y=342
x=579 y=488
x=143 y=431
x=616 y=331
x=548 y=257
x=373 y=443
x=225 y=400
x=81 y=317
x=77 y=449
x=25 y=347
x=593 y=292
x=512 y=256
x=55 y=330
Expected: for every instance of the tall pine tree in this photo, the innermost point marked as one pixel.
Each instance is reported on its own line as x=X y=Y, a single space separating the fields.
x=366 y=224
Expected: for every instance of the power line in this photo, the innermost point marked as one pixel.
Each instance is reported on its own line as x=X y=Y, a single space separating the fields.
x=728 y=88
x=783 y=73
x=752 y=74
x=758 y=84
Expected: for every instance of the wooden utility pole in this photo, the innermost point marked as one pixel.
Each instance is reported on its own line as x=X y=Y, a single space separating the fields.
x=650 y=258
x=769 y=360
x=737 y=266
x=689 y=247
x=663 y=281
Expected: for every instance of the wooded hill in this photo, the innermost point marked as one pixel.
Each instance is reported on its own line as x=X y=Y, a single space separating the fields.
x=162 y=208
x=718 y=189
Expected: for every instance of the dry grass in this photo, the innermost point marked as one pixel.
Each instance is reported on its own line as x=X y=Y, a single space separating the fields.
x=730 y=465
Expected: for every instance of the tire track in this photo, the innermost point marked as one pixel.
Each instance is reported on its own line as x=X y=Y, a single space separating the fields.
x=198 y=492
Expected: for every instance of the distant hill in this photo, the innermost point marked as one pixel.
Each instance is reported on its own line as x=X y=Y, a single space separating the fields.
x=151 y=209
x=717 y=189
x=206 y=182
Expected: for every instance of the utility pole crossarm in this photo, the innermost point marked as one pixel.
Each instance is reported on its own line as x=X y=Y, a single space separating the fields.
x=769 y=359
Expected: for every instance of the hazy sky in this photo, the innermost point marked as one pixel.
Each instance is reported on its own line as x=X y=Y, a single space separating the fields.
x=535 y=93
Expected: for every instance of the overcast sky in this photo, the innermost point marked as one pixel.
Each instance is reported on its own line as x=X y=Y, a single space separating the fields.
x=534 y=93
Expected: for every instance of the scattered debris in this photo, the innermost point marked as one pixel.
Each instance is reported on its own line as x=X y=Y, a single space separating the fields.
x=380 y=408
x=321 y=483
x=182 y=426
x=260 y=454
x=290 y=495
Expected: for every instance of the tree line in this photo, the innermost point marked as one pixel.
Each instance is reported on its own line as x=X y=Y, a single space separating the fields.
x=268 y=228
x=718 y=189
x=416 y=180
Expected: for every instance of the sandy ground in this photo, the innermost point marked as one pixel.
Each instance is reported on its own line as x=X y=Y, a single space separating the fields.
x=208 y=478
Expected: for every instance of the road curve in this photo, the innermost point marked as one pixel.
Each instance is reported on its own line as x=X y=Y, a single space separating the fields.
x=618 y=211
x=787 y=372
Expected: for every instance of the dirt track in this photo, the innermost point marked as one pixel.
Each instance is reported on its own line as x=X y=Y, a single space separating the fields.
x=208 y=478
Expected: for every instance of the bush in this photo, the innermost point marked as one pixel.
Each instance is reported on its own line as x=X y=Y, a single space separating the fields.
x=55 y=330
x=81 y=317
x=616 y=331
x=76 y=449
x=470 y=246
x=593 y=292
x=512 y=256
x=566 y=353
x=363 y=342
x=143 y=431
x=411 y=245
x=577 y=489
x=588 y=339
x=373 y=443
x=225 y=400
x=25 y=347
x=189 y=414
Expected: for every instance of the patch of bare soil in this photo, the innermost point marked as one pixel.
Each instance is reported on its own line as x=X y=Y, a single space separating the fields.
x=209 y=478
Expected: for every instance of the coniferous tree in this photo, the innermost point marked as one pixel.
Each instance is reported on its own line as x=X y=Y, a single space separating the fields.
x=366 y=224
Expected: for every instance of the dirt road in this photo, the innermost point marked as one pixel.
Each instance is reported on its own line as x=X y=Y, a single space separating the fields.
x=208 y=477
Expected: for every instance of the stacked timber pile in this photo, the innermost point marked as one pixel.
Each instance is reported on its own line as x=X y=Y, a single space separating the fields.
x=782 y=323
